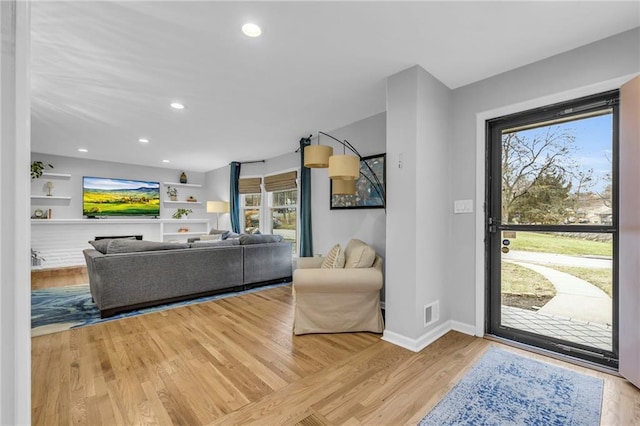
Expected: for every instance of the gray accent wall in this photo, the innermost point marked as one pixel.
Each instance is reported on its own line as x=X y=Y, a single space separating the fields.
x=575 y=71
x=418 y=144
x=330 y=227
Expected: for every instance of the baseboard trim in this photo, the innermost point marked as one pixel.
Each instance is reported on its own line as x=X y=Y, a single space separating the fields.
x=461 y=327
x=416 y=345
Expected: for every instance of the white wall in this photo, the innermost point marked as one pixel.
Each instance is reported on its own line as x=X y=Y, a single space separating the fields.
x=629 y=242
x=418 y=259
x=15 y=287
x=216 y=184
x=79 y=167
x=583 y=71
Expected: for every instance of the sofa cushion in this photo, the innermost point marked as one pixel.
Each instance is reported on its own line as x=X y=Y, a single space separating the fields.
x=217 y=231
x=230 y=235
x=334 y=259
x=216 y=243
x=101 y=245
x=130 y=246
x=211 y=237
x=358 y=255
x=259 y=239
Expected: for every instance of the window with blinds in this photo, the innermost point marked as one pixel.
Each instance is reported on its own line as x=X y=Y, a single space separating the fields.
x=250 y=185
x=281 y=181
x=282 y=192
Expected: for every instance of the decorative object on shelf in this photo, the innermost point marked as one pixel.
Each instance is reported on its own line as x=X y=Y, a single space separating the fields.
x=181 y=212
x=49 y=186
x=38 y=214
x=183 y=229
x=370 y=194
x=37 y=168
x=172 y=192
x=36 y=259
x=360 y=193
x=183 y=177
x=191 y=199
x=217 y=207
x=49 y=214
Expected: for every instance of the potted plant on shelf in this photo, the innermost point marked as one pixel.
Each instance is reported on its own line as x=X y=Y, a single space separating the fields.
x=172 y=192
x=181 y=212
x=37 y=168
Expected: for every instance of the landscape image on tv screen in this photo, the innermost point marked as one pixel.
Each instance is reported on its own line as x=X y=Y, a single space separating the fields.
x=119 y=197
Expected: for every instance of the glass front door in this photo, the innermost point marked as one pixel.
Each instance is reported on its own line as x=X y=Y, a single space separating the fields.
x=552 y=228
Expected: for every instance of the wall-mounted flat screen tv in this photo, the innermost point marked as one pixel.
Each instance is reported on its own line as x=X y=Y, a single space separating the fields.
x=119 y=197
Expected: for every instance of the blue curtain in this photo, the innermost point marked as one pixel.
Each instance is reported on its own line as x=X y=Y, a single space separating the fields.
x=234 y=196
x=306 y=236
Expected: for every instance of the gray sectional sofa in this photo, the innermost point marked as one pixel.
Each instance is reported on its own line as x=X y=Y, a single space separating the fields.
x=127 y=274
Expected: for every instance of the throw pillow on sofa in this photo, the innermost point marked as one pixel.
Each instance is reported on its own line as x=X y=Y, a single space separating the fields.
x=334 y=259
x=211 y=237
x=127 y=246
x=101 y=244
x=358 y=255
x=214 y=231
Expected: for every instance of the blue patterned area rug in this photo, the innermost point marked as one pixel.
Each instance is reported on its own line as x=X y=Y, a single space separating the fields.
x=63 y=308
x=503 y=388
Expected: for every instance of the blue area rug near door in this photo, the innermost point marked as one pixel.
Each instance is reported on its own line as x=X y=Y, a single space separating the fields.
x=62 y=308
x=503 y=388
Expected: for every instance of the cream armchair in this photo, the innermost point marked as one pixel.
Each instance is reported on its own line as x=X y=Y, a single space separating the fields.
x=336 y=300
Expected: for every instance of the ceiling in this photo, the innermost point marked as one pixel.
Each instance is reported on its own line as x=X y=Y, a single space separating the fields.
x=104 y=73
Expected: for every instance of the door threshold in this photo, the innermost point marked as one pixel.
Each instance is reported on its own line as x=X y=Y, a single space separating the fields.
x=554 y=355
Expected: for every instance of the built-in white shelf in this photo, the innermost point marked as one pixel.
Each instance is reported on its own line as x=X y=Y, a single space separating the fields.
x=188 y=185
x=95 y=221
x=184 y=233
x=197 y=203
x=56 y=175
x=49 y=197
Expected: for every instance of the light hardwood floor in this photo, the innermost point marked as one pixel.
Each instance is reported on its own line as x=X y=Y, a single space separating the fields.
x=235 y=362
x=59 y=277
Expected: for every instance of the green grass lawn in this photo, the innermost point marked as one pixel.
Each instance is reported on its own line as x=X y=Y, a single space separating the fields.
x=550 y=243
x=517 y=279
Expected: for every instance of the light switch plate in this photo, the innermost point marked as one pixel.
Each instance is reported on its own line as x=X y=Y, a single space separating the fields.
x=463 y=206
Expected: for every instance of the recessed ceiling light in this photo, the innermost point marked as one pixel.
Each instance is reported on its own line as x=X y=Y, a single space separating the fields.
x=165 y=161
x=83 y=150
x=143 y=140
x=177 y=105
x=251 y=30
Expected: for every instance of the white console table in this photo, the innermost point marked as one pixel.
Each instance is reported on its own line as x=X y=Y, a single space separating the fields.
x=61 y=241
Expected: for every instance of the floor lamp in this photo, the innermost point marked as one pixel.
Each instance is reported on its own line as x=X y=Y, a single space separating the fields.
x=217 y=207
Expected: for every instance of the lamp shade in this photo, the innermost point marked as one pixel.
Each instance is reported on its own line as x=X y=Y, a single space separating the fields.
x=344 y=167
x=343 y=187
x=217 y=207
x=317 y=156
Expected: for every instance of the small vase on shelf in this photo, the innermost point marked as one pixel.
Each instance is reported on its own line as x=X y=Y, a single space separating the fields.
x=183 y=178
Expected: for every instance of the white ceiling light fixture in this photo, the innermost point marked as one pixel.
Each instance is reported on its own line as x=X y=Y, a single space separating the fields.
x=143 y=140
x=251 y=30
x=165 y=161
x=83 y=150
x=177 y=105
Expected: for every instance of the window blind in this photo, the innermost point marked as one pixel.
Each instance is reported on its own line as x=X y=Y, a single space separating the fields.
x=249 y=185
x=281 y=181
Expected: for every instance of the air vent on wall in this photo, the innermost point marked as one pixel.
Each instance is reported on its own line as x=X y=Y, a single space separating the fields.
x=431 y=313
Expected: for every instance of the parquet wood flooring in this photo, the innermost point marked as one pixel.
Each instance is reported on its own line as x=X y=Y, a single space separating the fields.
x=235 y=361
